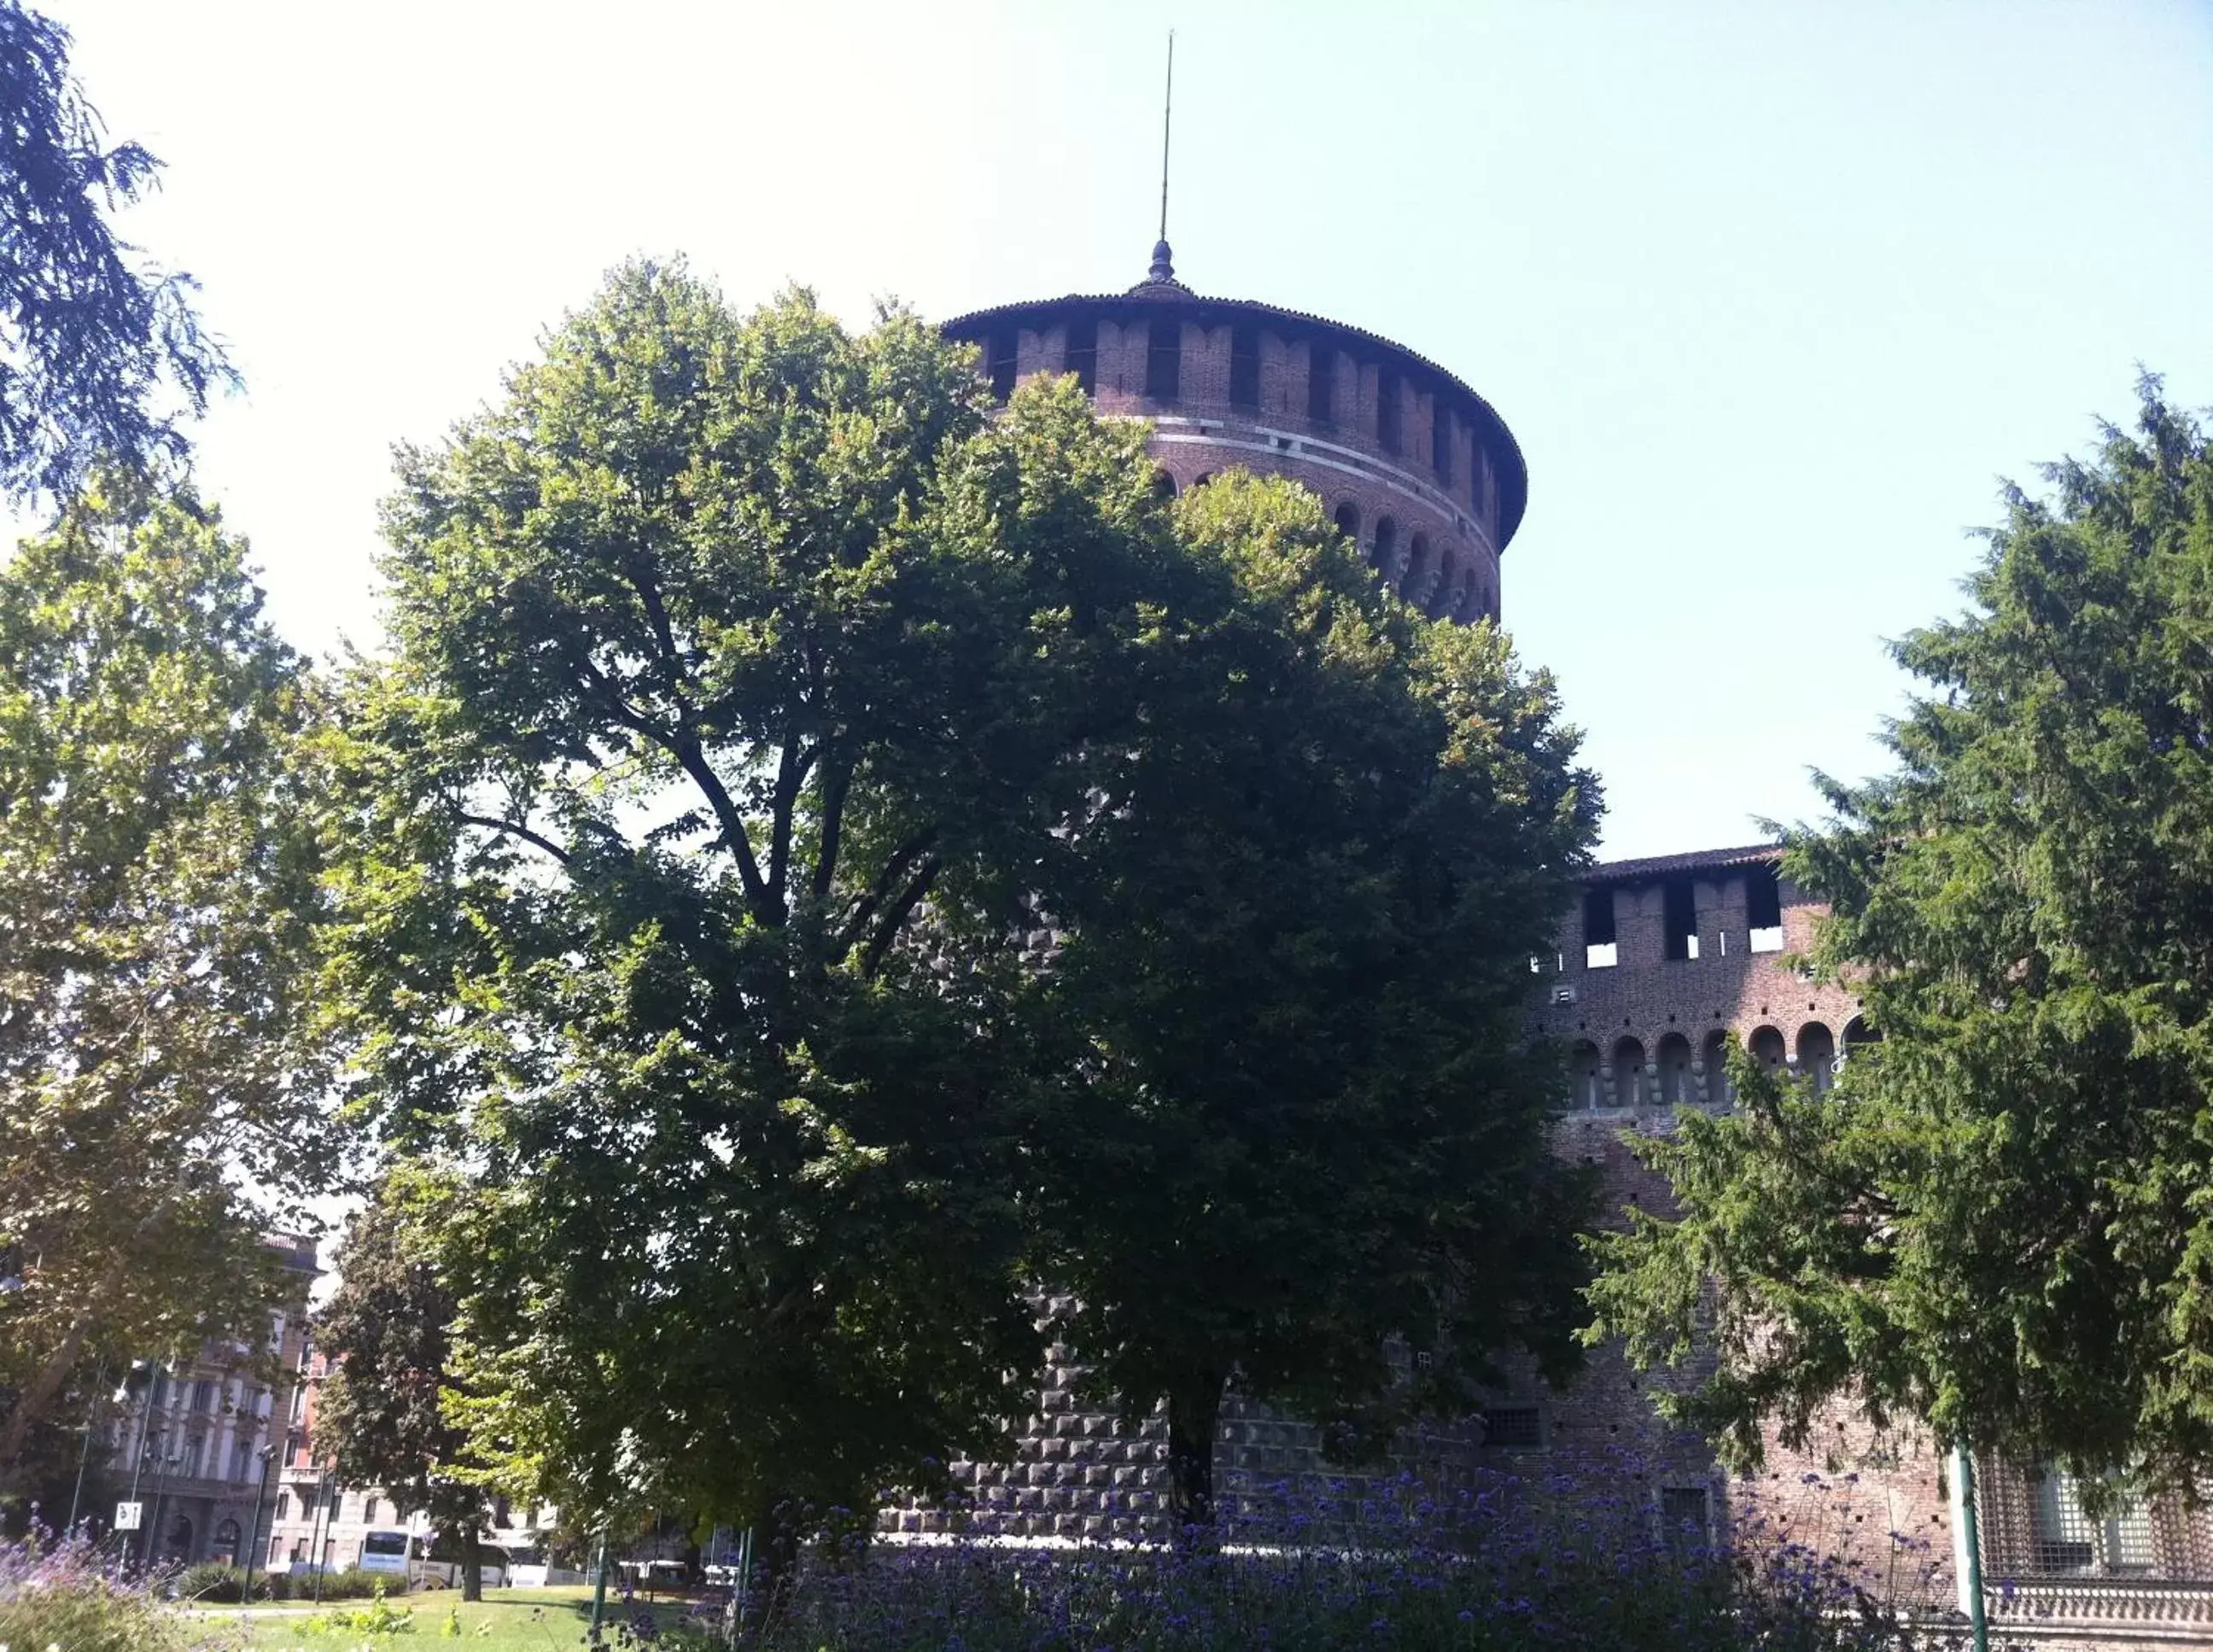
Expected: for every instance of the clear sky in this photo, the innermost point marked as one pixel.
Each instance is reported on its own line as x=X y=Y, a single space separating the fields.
x=1771 y=294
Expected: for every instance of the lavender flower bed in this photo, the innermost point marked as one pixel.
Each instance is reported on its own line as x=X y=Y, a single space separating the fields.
x=64 y=1593
x=1499 y=1564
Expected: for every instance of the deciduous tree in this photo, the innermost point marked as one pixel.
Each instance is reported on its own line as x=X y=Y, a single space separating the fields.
x=2000 y=1221
x=156 y=897
x=382 y=1417
x=731 y=657
x=1304 y=1154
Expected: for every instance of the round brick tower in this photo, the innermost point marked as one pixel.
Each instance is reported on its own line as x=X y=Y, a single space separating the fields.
x=1414 y=466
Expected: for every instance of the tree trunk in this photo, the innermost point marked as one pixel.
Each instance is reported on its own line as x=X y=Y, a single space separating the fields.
x=1194 y=1408
x=471 y=1566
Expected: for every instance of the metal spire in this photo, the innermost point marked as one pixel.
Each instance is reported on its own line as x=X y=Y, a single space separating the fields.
x=1163 y=264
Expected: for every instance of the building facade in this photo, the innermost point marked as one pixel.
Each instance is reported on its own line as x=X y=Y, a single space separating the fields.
x=1662 y=966
x=198 y=1438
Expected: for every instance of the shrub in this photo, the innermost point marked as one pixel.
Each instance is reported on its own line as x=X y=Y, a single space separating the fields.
x=211 y=1581
x=61 y=1594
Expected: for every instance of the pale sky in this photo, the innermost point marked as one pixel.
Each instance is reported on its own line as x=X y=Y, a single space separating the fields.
x=1771 y=294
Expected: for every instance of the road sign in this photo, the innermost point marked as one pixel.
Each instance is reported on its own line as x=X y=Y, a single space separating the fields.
x=126 y=1515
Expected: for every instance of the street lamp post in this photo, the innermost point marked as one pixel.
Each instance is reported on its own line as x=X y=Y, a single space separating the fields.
x=267 y=1455
x=138 y=1457
x=165 y=1461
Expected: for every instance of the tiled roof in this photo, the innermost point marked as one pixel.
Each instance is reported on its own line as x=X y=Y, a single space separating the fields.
x=1695 y=860
x=1514 y=485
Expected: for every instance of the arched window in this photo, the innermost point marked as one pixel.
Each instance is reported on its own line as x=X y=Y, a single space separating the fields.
x=1675 y=1086
x=1856 y=1033
x=1628 y=1088
x=1587 y=1073
x=1767 y=1049
x=1202 y=478
x=1817 y=1054
x=1421 y=573
x=226 y=1542
x=1719 y=1092
x=1385 y=554
x=1164 y=485
x=1347 y=520
x=1454 y=601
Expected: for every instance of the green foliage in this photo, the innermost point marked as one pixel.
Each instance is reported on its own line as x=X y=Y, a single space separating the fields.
x=756 y=711
x=159 y=885
x=214 y=1583
x=381 y=1418
x=703 y=680
x=98 y=343
x=379 y=1616
x=1302 y=1134
x=2001 y=1219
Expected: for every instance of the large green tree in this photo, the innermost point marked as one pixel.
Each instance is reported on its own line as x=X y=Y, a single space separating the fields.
x=383 y=1416
x=2000 y=1221
x=732 y=659
x=155 y=893
x=1304 y=1155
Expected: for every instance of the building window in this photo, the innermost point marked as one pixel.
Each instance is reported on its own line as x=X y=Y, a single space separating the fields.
x=195 y=1452
x=1245 y=366
x=1347 y=520
x=1628 y=1088
x=2070 y=1539
x=1321 y=384
x=1683 y=1517
x=1164 y=360
x=1587 y=1071
x=1718 y=1091
x=1767 y=1051
x=283 y=1506
x=1441 y=449
x=1514 y=1428
x=1082 y=354
x=203 y=1396
x=1006 y=343
x=1682 y=919
x=1763 y=909
x=1386 y=547
x=1599 y=949
x=1817 y=1054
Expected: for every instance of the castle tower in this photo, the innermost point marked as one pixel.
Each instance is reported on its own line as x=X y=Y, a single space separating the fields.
x=1415 y=467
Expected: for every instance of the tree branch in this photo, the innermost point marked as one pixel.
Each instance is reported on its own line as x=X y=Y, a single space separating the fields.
x=894 y=868
x=895 y=917
x=515 y=829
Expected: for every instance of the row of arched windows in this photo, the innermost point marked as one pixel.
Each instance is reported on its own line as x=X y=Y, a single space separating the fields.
x=1441 y=586
x=1672 y=1076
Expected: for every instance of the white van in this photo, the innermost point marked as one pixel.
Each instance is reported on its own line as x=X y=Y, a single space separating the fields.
x=385 y=1551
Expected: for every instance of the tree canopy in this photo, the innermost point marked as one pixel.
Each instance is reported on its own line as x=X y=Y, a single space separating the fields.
x=712 y=682
x=157 y=891
x=2000 y=1221
x=1303 y=1153
x=105 y=353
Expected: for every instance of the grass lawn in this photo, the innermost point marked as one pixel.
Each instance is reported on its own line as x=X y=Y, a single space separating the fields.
x=505 y=1620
